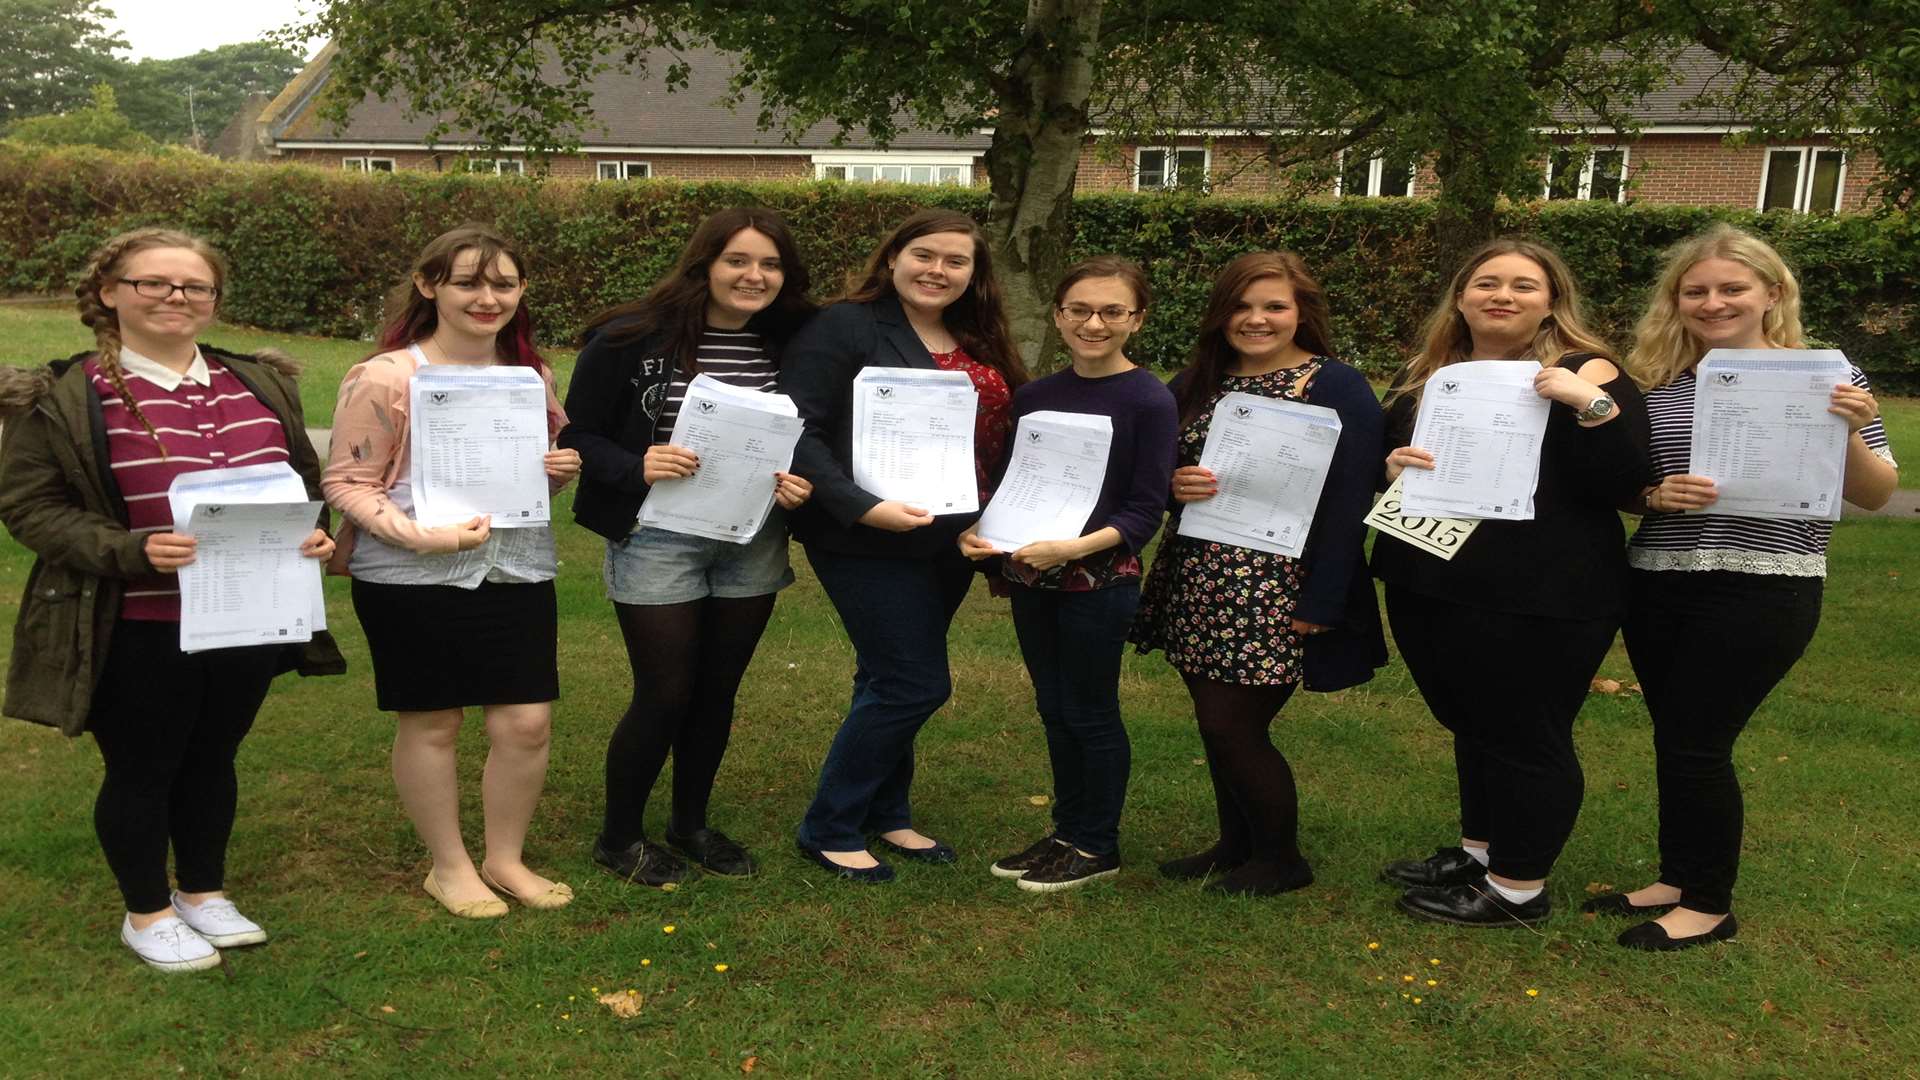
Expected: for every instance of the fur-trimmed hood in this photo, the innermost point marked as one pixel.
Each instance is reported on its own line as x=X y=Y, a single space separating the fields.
x=22 y=387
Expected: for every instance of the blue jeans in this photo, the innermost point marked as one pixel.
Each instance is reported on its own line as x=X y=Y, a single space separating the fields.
x=1072 y=643
x=896 y=612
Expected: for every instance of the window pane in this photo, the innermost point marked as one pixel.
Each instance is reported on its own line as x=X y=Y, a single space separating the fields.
x=513 y=167
x=1609 y=175
x=1783 y=180
x=609 y=170
x=1153 y=169
x=920 y=174
x=1823 y=194
x=862 y=173
x=1190 y=168
x=354 y=164
x=833 y=172
x=1354 y=175
x=639 y=170
x=895 y=173
x=1563 y=177
x=950 y=174
x=1396 y=178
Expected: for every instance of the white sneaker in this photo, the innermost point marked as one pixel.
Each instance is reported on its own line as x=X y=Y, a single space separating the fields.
x=170 y=945
x=219 y=922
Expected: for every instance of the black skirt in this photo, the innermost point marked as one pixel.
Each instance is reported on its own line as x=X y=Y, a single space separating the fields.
x=443 y=647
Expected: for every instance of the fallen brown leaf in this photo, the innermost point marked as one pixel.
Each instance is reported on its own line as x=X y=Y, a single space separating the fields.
x=1037 y=800
x=1595 y=888
x=747 y=1065
x=1769 y=1007
x=1604 y=686
x=623 y=1005
x=386 y=1008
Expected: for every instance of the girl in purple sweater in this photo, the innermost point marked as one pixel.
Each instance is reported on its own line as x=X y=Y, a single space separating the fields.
x=1074 y=598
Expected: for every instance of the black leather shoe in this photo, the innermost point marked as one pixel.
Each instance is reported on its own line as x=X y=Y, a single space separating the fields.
x=1618 y=904
x=1473 y=905
x=641 y=863
x=1652 y=937
x=1209 y=863
x=938 y=853
x=1446 y=866
x=1254 y=878
x=715 y=851
x=865 y=875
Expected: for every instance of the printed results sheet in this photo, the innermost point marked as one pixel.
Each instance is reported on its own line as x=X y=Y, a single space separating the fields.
x=742 y=438
x=248 y=583
x=1053 y=480
x=1271 y=458
x=1484 y=424
x=913 y=437
x=1762 y=432
x=479 y=442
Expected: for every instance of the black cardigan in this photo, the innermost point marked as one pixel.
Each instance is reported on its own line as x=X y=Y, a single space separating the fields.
x=1336 y=591
x=817 y=371
x=1570 y=561
x=613 y=406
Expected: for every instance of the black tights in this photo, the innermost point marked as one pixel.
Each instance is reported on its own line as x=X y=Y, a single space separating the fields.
x=687 y=662
x=1253 y=786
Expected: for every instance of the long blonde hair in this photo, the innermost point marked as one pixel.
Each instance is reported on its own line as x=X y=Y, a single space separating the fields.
x=101 y=272
x=1446 y=338
x=1662 y=347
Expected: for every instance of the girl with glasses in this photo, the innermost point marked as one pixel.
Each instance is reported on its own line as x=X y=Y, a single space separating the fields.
x=91 y=446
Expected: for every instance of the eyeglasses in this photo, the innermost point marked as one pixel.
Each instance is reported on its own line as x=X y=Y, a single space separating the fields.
x=1112 y=313
x=155 y=289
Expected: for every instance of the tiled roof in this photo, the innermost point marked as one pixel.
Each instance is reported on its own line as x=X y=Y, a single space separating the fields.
x=637 y=110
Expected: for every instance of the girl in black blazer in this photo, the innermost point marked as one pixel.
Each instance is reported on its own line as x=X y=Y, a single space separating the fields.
x=691 y=608
x=927 y=299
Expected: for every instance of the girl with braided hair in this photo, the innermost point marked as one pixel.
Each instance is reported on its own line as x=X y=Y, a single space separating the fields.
x=90 y=446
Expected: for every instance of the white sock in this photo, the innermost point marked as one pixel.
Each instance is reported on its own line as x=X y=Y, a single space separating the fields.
x=1477 y=854
x=1514 y=896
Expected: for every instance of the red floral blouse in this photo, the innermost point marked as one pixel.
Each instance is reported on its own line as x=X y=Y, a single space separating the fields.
x=991 y=425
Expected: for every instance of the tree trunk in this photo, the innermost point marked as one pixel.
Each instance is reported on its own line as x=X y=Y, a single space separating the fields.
x=1033 y=159
x=1464 y=213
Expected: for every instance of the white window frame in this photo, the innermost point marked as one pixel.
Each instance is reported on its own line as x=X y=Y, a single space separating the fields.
x=1376 y=172
x=623 y=170
x=1585 y=191
x=897 y=167
x=366 y=164
x=1171 y=172
x=1803 y=186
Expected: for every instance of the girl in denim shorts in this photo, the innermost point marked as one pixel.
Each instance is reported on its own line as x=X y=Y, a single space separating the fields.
x=691 y=609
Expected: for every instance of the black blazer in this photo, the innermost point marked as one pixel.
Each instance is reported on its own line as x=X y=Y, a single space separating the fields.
x=613 y=406
x=817 y=371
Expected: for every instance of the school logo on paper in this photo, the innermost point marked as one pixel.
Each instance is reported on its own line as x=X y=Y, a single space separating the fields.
x=1450 y=386
x=883 y=391
x=216 y=511
x=1242 y=412
x=1033 y=436
x=706 y=406
x=1728 y=378
x=439 y=397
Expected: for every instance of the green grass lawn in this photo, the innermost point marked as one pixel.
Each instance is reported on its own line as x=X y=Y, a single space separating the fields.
x=951 y=972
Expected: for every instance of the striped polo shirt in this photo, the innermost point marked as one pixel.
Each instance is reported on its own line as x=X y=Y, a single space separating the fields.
x=735 y=357
x=206 y=419
x=1717 y=541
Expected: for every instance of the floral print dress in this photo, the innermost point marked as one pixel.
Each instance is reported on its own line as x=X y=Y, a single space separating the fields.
x=1223 y=612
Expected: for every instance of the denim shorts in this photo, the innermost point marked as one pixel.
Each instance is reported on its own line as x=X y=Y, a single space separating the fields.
x=654 y=566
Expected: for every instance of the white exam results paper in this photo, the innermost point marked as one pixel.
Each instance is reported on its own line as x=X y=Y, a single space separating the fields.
x=1271 y=458
x=248 y=583
x=742 y=438
x=913 y=437
x=1053 y=480
x=1762 y=432
x=479 y=443
x=1483 y=423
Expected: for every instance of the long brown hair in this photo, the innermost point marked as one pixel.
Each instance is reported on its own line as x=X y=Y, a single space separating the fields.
x=1447 y=340
x=102 y=271
x=412 y=317
x=677 y=303
x=1213 y=354
x=978 y=319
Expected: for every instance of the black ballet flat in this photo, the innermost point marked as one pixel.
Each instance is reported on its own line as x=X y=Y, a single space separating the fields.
x=1652 y=937
x=1618 y=904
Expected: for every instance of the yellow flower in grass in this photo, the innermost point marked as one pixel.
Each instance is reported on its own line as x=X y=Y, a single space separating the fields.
x=669 y=928
x=719 y=967
x=1433 y=982
x=1531 y=992
x=646 y=963
x=1406 y=978
x=1435 y=961
x=1416 y=1001
x=1374 y=945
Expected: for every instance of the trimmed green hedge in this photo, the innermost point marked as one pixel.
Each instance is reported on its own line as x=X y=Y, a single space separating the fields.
x=314 y=250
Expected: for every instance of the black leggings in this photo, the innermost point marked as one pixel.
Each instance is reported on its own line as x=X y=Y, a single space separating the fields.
x=1708 y=647
x=169 y=725
x=1508 y=687
x=1253 y=788
x=687 y=662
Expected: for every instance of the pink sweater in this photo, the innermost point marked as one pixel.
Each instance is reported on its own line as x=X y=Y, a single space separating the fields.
x=371 y=450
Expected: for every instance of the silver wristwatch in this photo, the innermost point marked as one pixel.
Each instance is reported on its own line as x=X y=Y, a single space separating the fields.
x=1600 y=408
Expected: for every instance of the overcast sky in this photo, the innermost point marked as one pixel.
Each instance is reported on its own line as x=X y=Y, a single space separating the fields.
x=161 y=31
